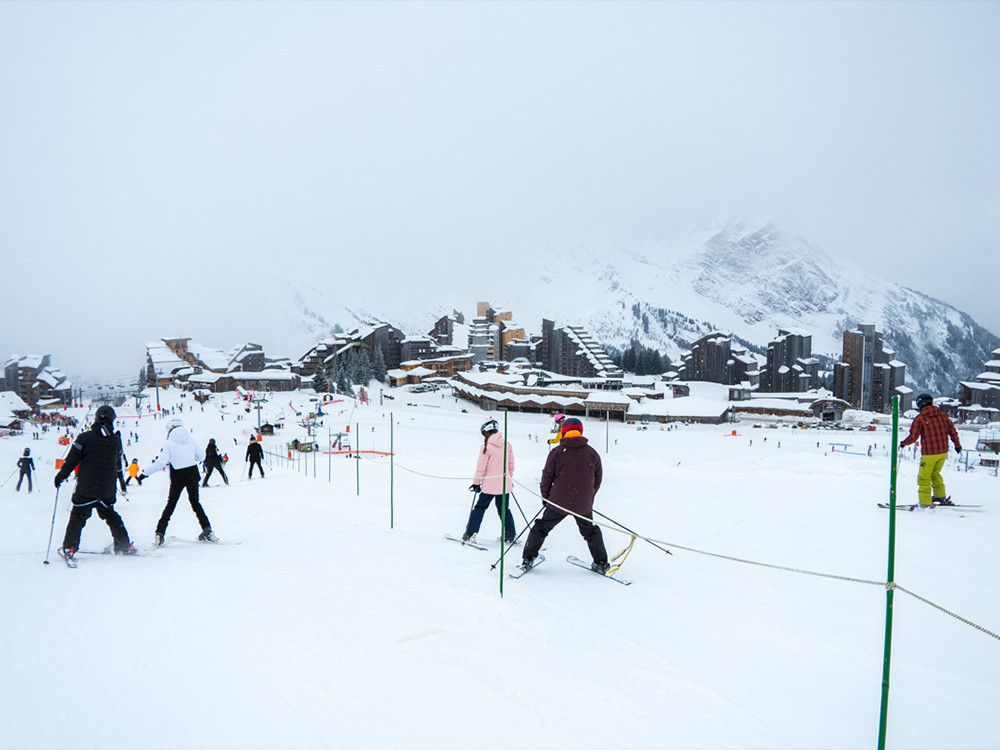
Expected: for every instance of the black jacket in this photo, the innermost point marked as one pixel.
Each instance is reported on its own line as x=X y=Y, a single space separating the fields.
x=212 y=454
x=98 y=452
x=254 y=452
x=26 y=464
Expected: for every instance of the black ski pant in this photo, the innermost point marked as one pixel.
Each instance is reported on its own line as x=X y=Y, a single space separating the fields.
x=82 y=507
x=21 y=479
x=550 y=518
x=256 y=462
x=214 y=466
x=180 y=480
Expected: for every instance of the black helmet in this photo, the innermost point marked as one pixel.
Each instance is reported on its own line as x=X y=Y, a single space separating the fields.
x=924 y=399
x=490 y=425
x=27 y=451
x=105 y=414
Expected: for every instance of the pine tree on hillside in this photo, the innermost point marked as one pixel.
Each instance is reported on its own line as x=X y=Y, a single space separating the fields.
x=379 y=369
x=319 y=382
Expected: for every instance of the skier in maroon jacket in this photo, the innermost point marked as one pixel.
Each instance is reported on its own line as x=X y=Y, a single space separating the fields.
x=570 y=480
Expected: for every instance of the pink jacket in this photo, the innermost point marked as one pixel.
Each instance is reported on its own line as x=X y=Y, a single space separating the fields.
x=489 y=467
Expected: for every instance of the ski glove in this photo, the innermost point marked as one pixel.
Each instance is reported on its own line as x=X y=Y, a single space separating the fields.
x=475 y=488
x=58 y=481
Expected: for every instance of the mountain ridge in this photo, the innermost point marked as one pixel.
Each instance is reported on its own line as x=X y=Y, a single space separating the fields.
x=747 y=281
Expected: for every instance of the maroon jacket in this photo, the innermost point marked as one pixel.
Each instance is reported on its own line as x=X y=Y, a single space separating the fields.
x=572 y=476
x=933 y=427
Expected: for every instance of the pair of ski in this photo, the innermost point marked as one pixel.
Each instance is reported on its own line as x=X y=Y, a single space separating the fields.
x=467 y=543
x=519 y=571
x=572 y=560
x=914 y=506
x=110 y=550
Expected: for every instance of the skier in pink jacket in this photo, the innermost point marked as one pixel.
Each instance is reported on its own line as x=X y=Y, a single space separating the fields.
x=490 y=483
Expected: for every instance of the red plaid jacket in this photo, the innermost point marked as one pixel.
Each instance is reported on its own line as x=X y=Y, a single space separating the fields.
x=933 y=427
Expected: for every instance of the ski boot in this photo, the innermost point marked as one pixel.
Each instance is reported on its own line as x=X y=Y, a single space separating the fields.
x=943 y=500
x=601 y=568
x=207 y=536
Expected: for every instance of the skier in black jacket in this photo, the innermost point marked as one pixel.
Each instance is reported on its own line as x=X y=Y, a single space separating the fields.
x=213 y=461
x=27 y=465
x=255 y=454
x=98 y=453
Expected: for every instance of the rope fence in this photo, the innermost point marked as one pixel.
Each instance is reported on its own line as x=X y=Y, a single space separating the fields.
x=656 y=542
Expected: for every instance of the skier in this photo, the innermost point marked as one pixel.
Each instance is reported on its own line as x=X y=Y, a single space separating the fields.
x=27 y=465
x=183 y=455
x=133 y=472
x=489 y=482
x=554 y=440
x=213 y=462
x=255 y=454
x=97 y=454
x=570 y=480
x=933 y=427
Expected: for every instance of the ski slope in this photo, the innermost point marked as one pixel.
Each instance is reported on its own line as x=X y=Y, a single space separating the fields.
x=335 y=614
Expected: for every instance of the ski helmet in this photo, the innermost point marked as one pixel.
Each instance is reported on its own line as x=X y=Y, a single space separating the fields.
x=490 y=425
x=571 y=425
x=174 y=424
x=559 y=417
x=27 y=451
x=924 y=399
x=104 y=414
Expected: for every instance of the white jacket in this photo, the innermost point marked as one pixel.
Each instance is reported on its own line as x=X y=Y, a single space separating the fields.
x=180 y=451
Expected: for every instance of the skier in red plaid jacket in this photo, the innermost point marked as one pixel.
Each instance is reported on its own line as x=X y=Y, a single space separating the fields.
x=933 y=428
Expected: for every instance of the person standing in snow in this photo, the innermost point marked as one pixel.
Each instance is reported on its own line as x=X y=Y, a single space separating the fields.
x=570 y=480
x=97 y=454
x=933 y=428
x=556 y=434
x=27 y=465
x=182 y=454
x=133 y=472
x=255 y=454
x=490 y=483
x=213 y=462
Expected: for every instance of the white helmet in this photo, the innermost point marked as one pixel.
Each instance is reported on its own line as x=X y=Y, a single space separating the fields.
x=490 y=425
x=174 y=423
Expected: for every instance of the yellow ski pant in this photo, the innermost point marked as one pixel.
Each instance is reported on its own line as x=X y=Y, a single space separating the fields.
x=929 y=482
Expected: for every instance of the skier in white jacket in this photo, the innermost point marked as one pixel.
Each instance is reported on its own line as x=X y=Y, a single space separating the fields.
x=182 y=454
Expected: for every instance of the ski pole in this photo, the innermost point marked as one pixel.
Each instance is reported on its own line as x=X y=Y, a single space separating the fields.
x=634 y=533
x=8 y=478
x=519 y=507
x=52 y=528
x=527 y=526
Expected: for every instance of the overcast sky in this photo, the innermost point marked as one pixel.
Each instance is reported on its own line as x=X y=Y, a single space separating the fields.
x=152 y=154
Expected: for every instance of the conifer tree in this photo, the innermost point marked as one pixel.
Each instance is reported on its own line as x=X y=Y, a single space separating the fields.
x=379 y=370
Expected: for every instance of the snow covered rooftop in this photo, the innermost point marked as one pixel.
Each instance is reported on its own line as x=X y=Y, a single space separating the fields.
x=11 y=402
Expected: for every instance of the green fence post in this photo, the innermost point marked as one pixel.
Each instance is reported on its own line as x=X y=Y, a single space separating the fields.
x=503 y=510
x=890 y=577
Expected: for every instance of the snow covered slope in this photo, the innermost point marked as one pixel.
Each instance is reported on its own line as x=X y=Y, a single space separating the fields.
x=336 y=615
